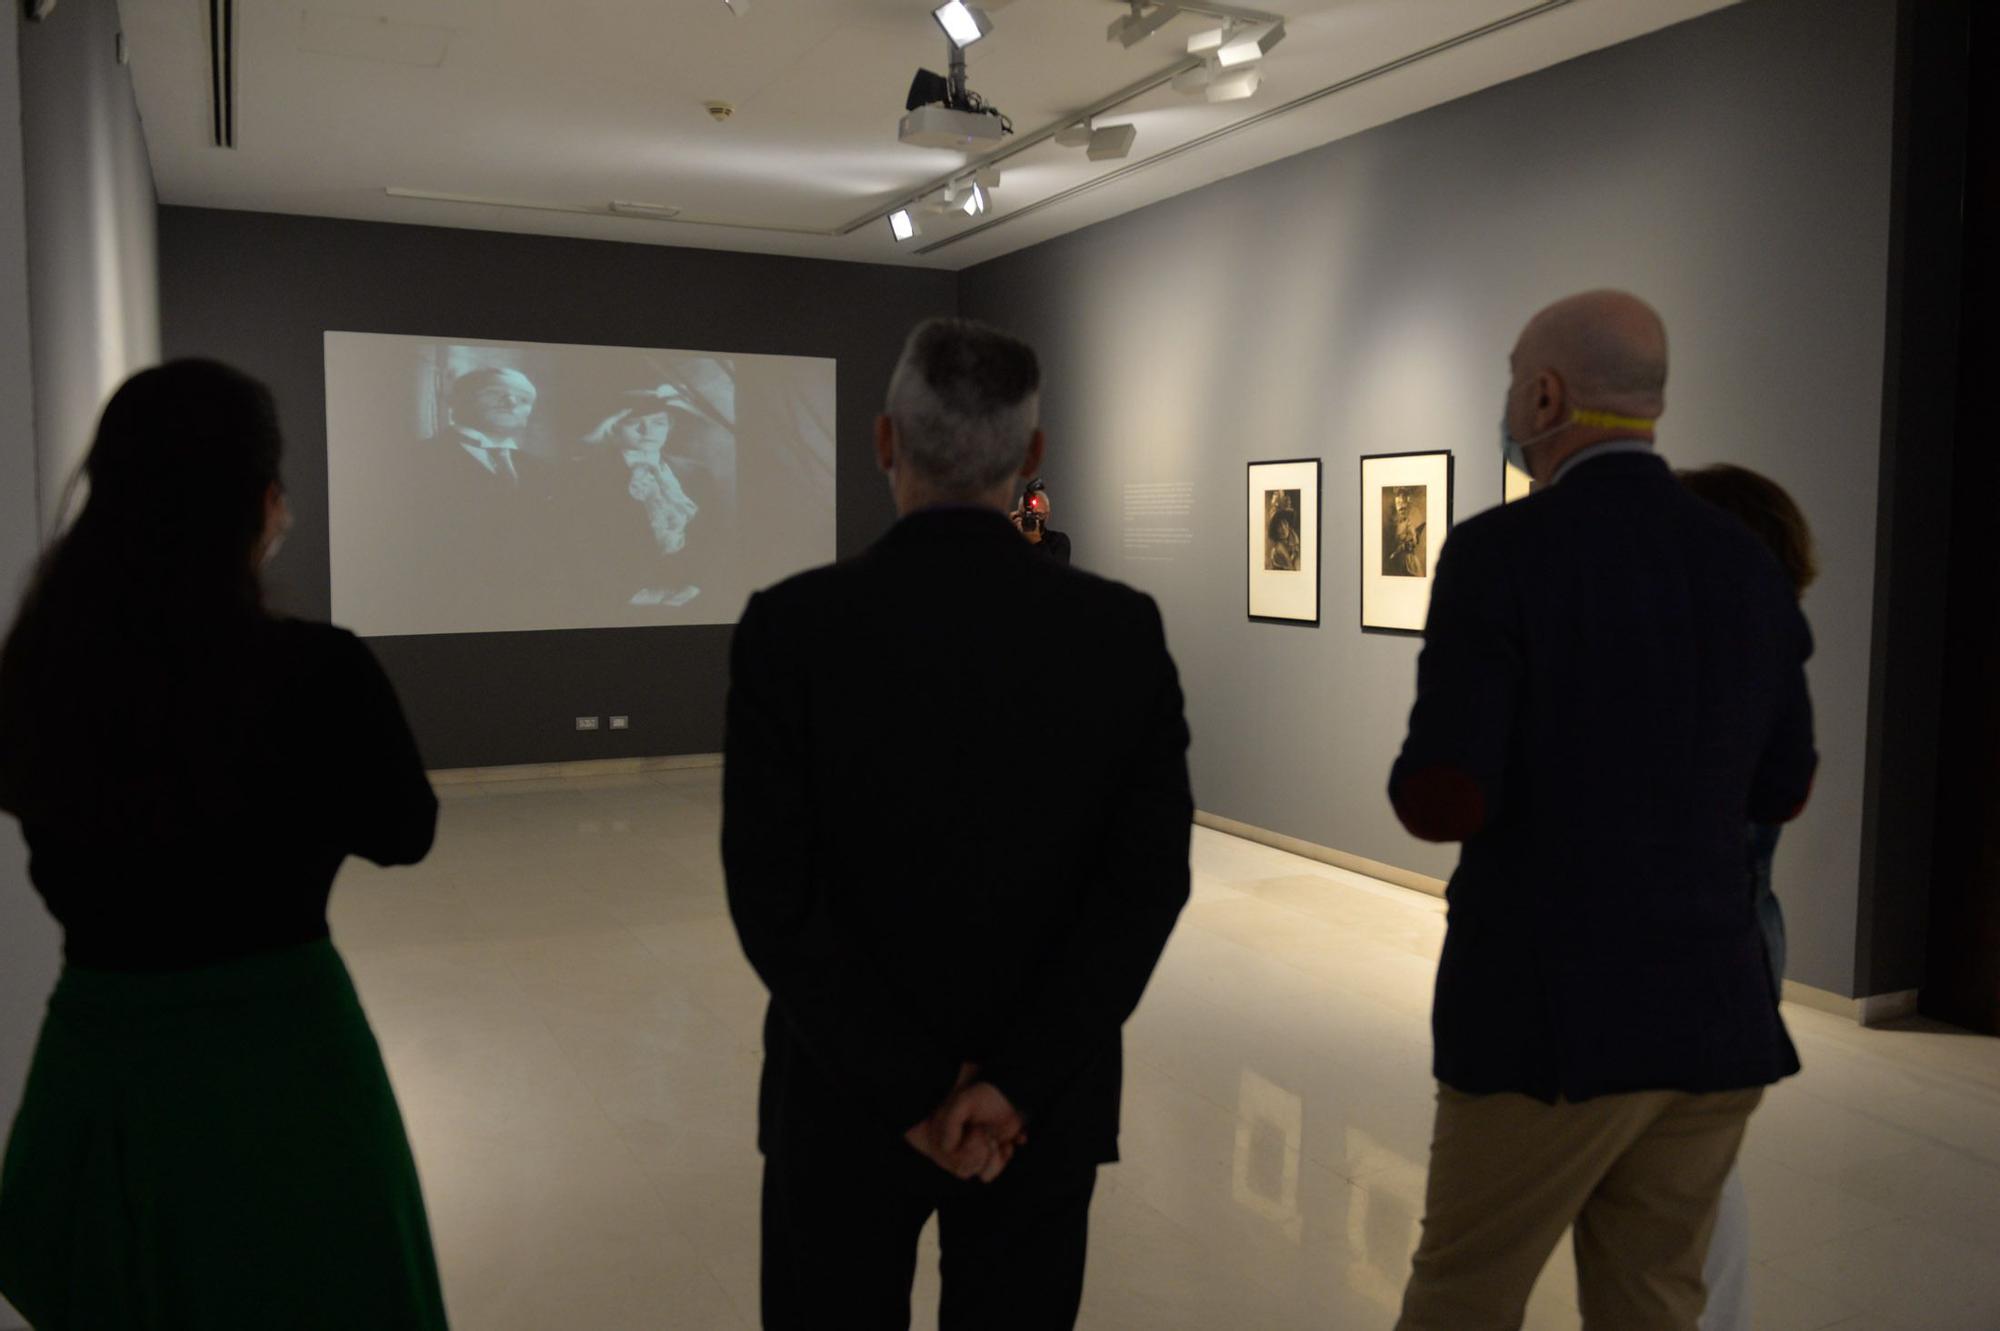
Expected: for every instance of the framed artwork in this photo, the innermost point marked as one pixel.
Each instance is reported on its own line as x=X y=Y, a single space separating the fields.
x=1283 y=551
x=1514 y=483
x=1405 y=516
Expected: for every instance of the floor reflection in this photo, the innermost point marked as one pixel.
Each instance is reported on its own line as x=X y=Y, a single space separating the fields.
x=574 y=1037
x=1270 y=1133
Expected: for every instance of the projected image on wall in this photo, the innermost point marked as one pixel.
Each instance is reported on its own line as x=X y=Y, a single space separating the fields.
x=479 y=487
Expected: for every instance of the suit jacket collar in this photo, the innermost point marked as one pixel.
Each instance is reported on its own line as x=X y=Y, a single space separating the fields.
x=1595 y=465
x=958 y=525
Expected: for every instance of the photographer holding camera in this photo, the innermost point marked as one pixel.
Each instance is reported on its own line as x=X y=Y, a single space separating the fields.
x=1031 y=515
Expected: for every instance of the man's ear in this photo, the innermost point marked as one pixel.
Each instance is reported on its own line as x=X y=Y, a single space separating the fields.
x=1038 y=448
x=885 y=443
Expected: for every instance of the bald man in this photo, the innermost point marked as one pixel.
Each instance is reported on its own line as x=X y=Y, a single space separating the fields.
x=1612 y=685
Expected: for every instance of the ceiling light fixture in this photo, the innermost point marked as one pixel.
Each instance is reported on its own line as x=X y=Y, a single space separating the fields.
x=903 y=224
x=1211 y=81
x=1128 y=30
x=1101 y=144
x=975 y=200
x=1111 y=143
x=1249 y=43
x=964 y=24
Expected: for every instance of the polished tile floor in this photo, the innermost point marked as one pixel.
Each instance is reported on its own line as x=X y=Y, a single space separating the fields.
x=574 y=1036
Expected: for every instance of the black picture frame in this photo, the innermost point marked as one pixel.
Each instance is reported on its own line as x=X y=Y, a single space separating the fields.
x=1370 y=527
x=1317 y=533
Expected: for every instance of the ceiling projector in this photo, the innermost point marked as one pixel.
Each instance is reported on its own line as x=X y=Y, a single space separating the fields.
x=945 y=127
x=944 y=114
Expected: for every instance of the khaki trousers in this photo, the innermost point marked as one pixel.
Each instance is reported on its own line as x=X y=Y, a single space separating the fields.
x=1638 y=1175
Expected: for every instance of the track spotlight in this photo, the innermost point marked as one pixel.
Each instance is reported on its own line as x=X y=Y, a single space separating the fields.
x=963 y=23
x=1249 y=44
x=1110 y=143
x=1235 y=84
x=1216 y=84
x=1128 y=30
x=1100 y=145
x=975 y=200
x=903 y=224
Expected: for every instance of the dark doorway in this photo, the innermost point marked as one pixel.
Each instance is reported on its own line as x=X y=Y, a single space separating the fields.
x=1962 y=973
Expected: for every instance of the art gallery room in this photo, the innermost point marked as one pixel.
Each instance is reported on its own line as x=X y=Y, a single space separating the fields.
x=821 y=952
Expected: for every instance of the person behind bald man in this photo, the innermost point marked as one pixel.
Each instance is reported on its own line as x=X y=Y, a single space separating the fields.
x=1611 y=688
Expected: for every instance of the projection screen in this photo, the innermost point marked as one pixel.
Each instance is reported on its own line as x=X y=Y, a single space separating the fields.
x=480 y=487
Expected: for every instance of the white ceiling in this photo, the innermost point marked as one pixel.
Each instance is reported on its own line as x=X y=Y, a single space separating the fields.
x=579 y=102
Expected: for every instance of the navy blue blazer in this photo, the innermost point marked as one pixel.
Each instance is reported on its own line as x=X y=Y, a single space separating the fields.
x=1612 y=685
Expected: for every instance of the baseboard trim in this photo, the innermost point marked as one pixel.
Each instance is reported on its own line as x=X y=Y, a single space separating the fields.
x=590 y=768
x=1872 y=1010
x=1880 y=1009
x=1311 y=850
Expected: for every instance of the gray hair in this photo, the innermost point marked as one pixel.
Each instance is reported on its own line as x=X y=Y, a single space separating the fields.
x=965 y=400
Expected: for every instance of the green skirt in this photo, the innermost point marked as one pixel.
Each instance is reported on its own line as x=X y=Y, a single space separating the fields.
x=214 y=1149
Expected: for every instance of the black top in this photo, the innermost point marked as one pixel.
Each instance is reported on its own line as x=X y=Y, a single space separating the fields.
x=915 y=884
x=1614 y=677
x=1054 y=544
x=328 y=769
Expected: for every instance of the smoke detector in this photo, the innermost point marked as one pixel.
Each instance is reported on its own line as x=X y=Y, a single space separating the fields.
x=718 y=111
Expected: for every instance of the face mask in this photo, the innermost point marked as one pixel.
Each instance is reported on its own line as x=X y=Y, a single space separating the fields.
x=1515 y=450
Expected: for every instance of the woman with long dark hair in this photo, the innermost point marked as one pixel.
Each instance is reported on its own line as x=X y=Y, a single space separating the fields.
x=208 y=1137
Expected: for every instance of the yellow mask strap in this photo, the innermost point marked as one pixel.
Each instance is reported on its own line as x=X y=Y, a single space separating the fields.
x=1605 y=420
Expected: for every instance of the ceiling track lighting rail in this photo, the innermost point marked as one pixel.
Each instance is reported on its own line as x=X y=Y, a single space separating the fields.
x=913 y=206
x=1214 y=136
x=651 y=212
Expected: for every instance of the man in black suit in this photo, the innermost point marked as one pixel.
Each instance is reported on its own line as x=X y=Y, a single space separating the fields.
x=1612 y=688
x=486 y=499
x=953 y=920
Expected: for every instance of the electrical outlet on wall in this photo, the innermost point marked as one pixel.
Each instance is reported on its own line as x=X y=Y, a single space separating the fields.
x=621 y=723
x=586 y=723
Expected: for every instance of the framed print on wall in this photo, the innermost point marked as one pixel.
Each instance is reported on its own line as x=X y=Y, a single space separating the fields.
x=1283 y=551
x=1514 y=483
x=1405 y=516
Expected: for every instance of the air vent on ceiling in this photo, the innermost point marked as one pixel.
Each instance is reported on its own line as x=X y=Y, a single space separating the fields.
x=222 y=72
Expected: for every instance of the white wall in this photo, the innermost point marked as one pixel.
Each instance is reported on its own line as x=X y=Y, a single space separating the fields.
x=79 y=310
x=27 y=938
x=92 y=224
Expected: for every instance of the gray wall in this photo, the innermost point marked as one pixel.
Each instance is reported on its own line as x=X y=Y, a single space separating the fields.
x=79 y=309
x=258 y=290
x=1361 y=298
x=94 y=284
